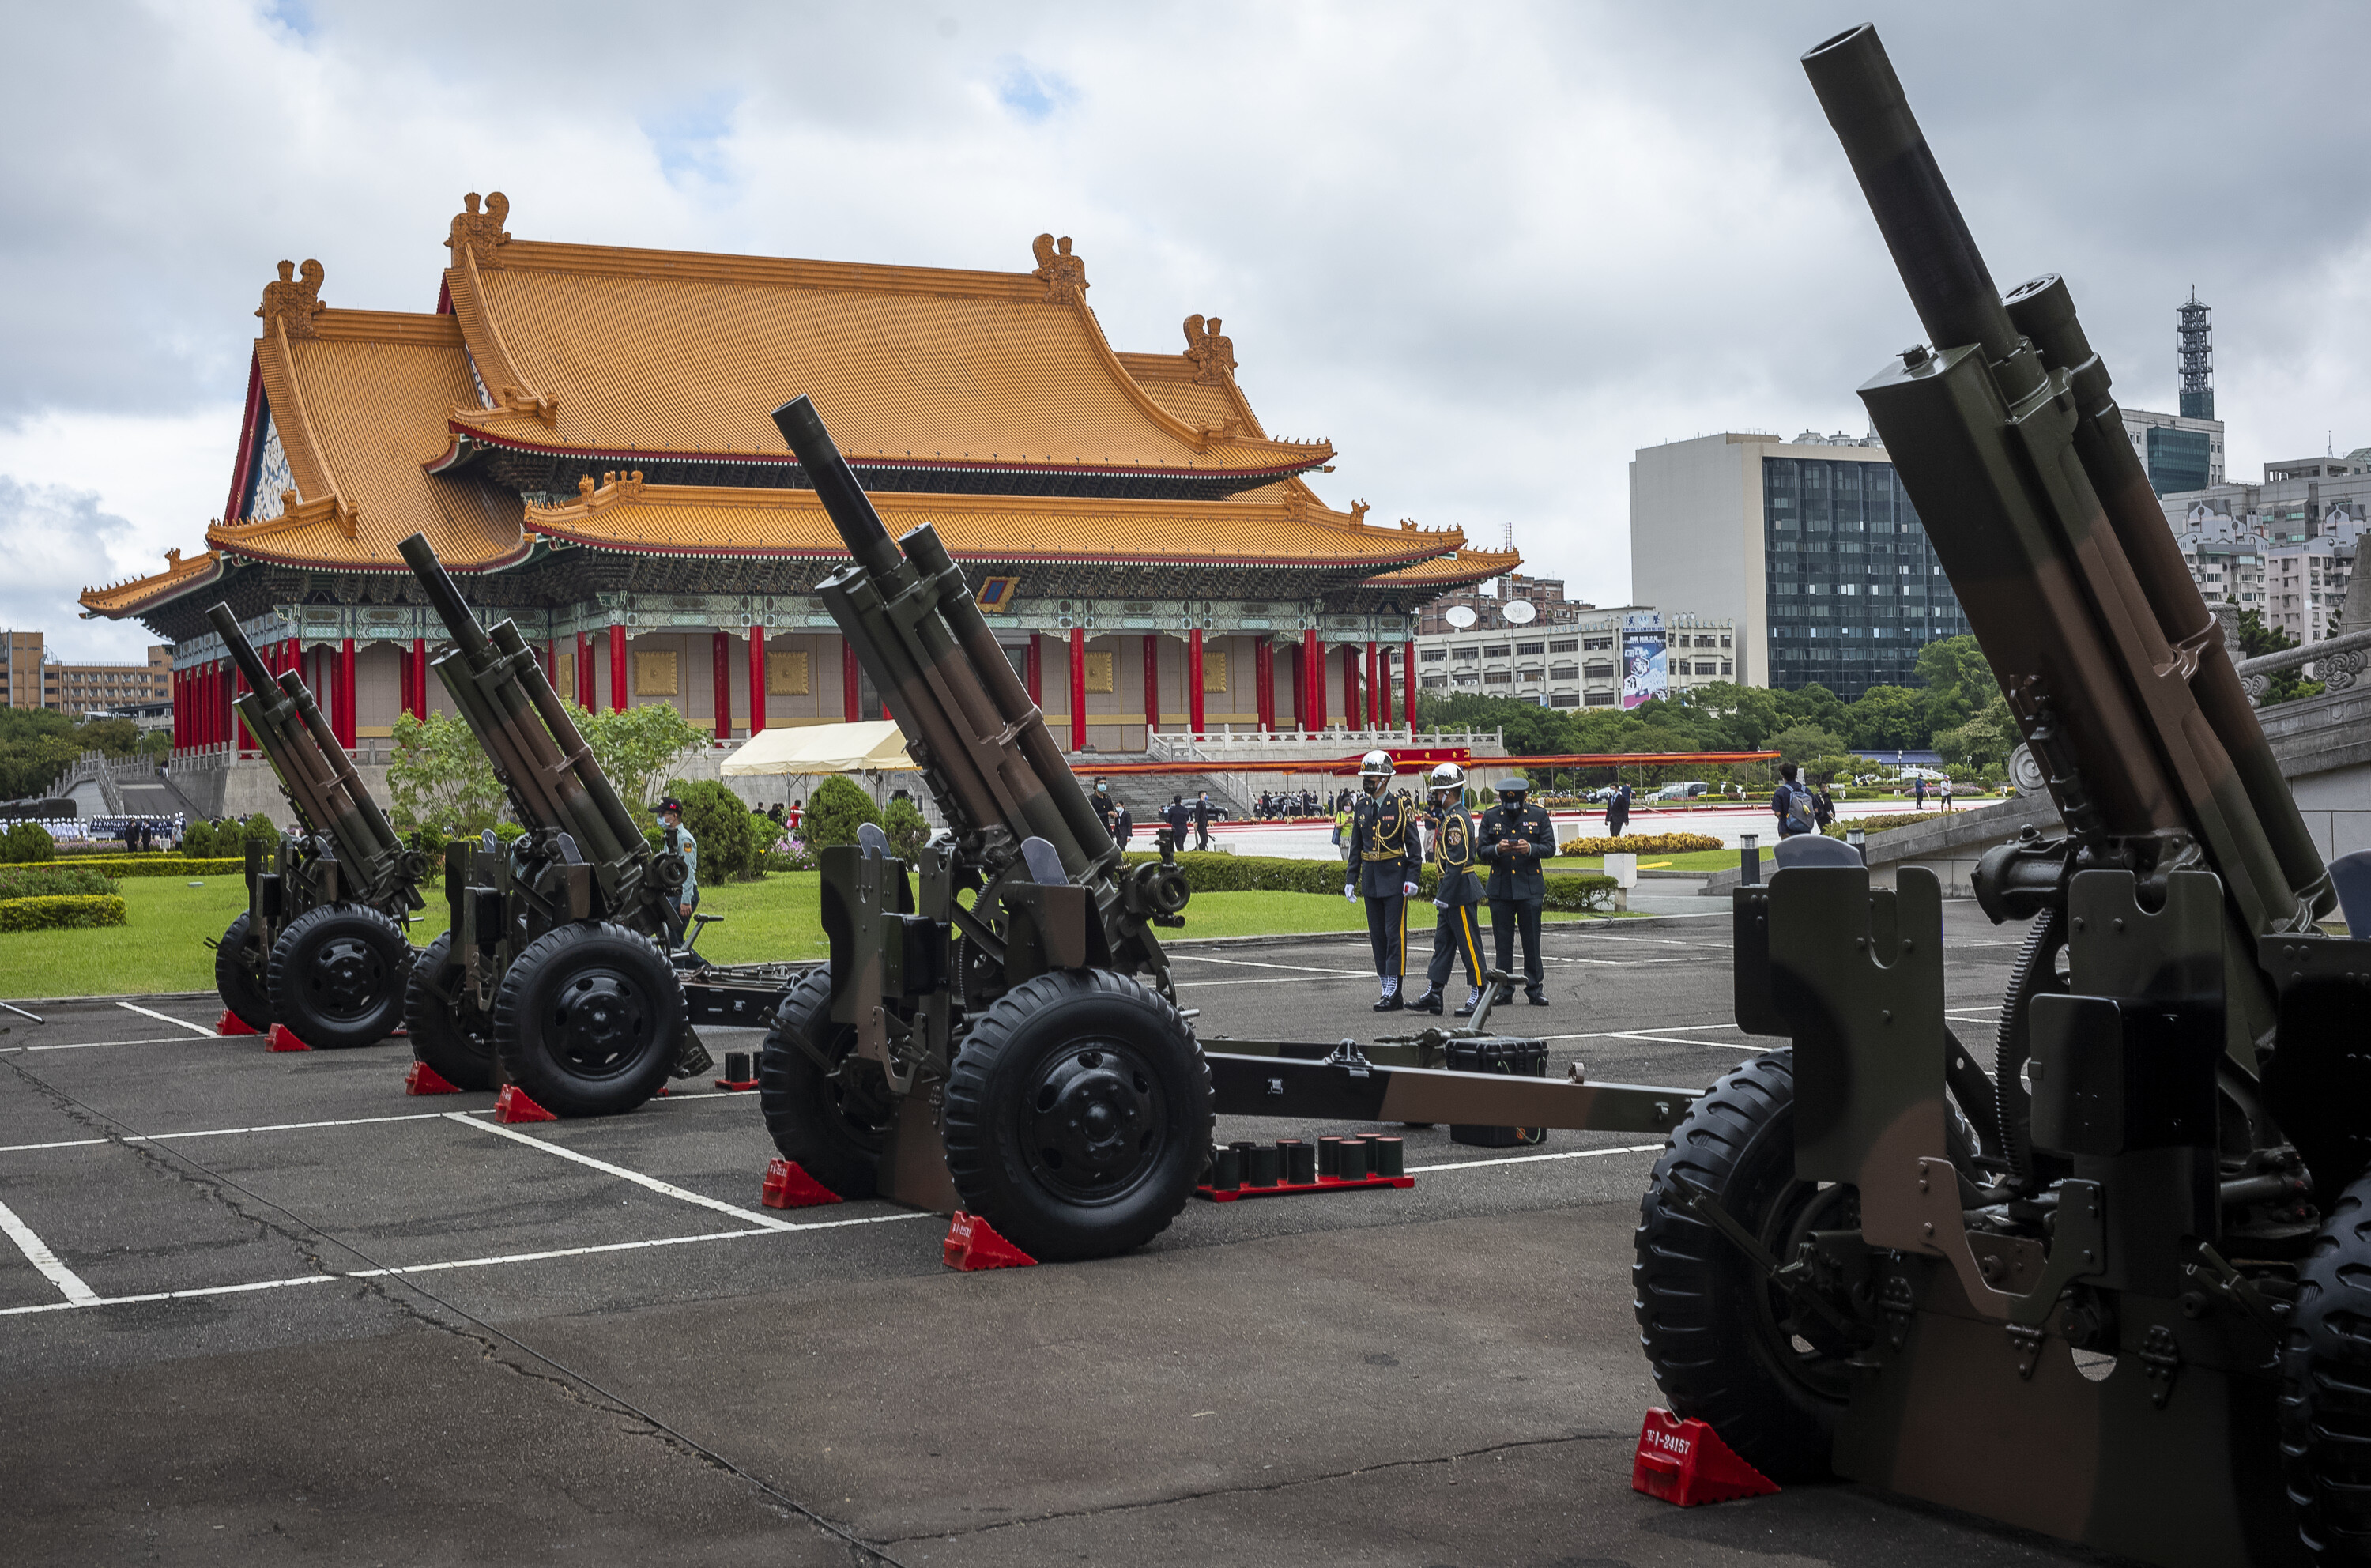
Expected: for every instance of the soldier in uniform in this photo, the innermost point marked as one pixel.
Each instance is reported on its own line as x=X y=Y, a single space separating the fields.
x=1515 y=836
x=1459 y=896
x=1381 y=867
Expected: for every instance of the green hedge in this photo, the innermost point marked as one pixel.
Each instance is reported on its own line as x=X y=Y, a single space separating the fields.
x=55 y=914
x=1259 y=873
x=1881 y=824
x=160 y=866
x=53 y=881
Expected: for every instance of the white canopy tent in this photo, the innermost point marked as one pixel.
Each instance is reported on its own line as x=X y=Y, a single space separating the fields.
x=873 y=745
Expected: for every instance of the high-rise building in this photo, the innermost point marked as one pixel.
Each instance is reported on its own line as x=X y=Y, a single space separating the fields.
x=1588 y=658
x=1809 y=546
x=2193 y=332
x=2180 y=453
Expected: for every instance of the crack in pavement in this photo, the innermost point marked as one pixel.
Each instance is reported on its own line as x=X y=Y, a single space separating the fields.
x=1417 y=1462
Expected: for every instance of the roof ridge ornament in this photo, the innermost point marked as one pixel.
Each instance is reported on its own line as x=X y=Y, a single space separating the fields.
x=481 y=233
x=294 y=300
x=1213 y=355
x=613 y=489
x=1065 y=274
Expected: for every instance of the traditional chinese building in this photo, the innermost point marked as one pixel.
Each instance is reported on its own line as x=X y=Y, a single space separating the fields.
x=583 y=434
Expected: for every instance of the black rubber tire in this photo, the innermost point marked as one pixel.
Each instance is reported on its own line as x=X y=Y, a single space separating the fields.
x=1715 y=1334
x=243 y=989
x=453 y=1039
x=338 y=975
x=833 y=1129
x=2035 y=974
x=586 y=1019
x=1128 y=1046
x=2325 y=1402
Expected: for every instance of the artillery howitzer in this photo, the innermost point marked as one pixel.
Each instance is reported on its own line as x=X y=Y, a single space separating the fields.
x=557 y=972
x=321 y=946
x=2111 y=1290
x=1021 y=1054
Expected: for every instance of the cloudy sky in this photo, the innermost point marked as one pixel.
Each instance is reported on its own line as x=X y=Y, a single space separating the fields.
x=1489 y=248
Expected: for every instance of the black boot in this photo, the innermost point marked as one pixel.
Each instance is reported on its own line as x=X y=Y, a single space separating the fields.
x=1428 y=1003
x=1536 y=999
x=1473 y=1000
x=1391 y=1003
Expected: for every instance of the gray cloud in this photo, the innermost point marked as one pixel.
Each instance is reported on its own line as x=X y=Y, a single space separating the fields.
x=1488 y=250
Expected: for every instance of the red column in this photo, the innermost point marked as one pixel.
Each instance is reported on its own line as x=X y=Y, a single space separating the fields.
x=851 y=685
x=347 y=734
x=551 y=662
x=720 y=659
x=1262 y=689
x=1037 y=670
x=1194 y=680
x=1374 y=681
x=1351 y=718
x=620 y=695
x=1312 y=669
x=1383 y=689
x=1078 y=688
x=1407 y=677
x=756 y=677
x=1151 y=688
x=419 y=678
x=585 y=692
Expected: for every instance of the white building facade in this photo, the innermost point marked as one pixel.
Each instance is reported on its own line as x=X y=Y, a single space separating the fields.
x=1581 y=663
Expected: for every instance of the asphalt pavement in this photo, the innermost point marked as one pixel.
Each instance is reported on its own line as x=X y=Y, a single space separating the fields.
x=261 y=1308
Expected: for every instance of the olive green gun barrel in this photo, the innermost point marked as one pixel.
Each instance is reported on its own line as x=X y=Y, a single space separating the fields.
x=2066 y=567
x=313 y=769
x=500 y=688
x=970 y=724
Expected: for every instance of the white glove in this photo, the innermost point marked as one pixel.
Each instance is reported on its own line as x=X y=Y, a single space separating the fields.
x=1350 y=891
x=1440 y=904
x=1408 y=890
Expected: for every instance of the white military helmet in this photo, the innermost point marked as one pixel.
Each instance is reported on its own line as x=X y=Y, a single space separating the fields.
x=1375 y=771
x=1446 y=778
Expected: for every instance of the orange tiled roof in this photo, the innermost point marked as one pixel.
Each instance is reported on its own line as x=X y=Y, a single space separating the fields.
x=135 y=594
x=684 y=519
x=1456 y=569
x=360 y=403
x=606 y=351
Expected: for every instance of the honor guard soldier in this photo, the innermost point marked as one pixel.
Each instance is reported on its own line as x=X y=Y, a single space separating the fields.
x=1381 y=867
x=1459 y=896
x=1515 y=836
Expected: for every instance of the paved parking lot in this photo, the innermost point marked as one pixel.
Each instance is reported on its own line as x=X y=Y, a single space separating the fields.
x=266 y=1308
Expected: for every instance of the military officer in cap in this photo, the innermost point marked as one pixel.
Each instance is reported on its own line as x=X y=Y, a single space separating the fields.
x=1383 y=865
x=1515 y=838
x=1459 y=896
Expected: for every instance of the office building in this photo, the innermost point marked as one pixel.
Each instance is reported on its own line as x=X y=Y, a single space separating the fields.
x=30 y=678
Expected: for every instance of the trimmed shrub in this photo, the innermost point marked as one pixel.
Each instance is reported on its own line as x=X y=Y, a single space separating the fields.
x=1640 y=844
x=51 y=882
x=1259 y=873
x=72 y=912
x=908 y=829
x=197 y=841
x=835 y=812
x=161 y=866
x=721 y=821
x=27 y=843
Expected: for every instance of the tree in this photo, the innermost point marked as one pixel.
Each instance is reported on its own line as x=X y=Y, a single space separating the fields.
x=1532 y=730
x=907 y=828
x=835 y=812
x=635 y=747
x=1813 y=704
x=1887 y=718
x=2256 y=640
x=1958 y=680
x=441 y=777
x=718 y=819
x=1800 y=742
x=1981 y=745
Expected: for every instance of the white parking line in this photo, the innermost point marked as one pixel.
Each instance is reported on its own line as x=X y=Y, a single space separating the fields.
x=166 y=1017
x=665 y=1189
x=1253 y=963
x=37 y=1252
x=95 y=1045
x=1524 y=1158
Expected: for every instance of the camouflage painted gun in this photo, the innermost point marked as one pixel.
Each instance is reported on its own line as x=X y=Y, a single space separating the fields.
x=2084 y=1293
x=555 y=975
x=1021 y=1054
x=321 y=946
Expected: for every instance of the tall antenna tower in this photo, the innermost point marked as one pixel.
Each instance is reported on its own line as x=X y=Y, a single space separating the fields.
x=2197 y=340
x=1510 y=544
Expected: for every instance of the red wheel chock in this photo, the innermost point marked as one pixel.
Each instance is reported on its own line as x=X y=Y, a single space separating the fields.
x=231 y=1023
x=787 y=1186
x=973 y=1243
x=1686 y=1462
x=425 y=1080
x=281 y=1040
x=512 y=1105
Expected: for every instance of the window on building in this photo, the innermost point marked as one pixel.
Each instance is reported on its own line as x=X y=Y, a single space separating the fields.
x=1433 y=655
x=1498 y=677
x=1601 y=699
x=1463 y=655
x=1600 y=672
x=1530 y=650
x=1569 y=645
x=1563 y=672
x=1593 y=643
x=1725 y=668
x=1563 y=699
x=1432 y=683
x=1494 y=651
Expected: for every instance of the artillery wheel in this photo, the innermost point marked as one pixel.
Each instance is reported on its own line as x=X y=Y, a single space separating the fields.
x=2325 y=1402
x=2036 y=974
x=1078 y=1117
x=833 y=1126
x=454 y=1039
x=241 y=989
x=1725 y=1346
x=338 y=975
x=586 y=1019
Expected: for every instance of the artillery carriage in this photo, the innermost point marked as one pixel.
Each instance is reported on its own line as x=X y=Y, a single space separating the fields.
x=2111 y=1289
x=321 y=947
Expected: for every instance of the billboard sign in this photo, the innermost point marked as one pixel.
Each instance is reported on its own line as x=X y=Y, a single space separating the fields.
x=1645 y=664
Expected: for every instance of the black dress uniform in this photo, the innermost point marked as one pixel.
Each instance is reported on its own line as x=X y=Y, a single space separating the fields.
x=1518 y=886
x=1383 y=860
x=1459 y=899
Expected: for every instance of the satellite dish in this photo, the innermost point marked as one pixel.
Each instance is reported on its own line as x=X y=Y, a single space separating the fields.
x=1520 y=612
x=1459 y=615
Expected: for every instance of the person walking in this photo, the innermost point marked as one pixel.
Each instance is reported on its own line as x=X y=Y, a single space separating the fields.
x=1515 y=836
x=1791 y=804
x=1202 y=820
x=1823 y=809
x=1918 y=793
x=1178 y=818
x=1617 y=810
x=1123 y=824
x=1946 y=789
x=1458 y=897
x=1381 y=869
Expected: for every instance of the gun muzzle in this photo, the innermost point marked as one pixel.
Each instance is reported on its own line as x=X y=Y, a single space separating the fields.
x=843 y=497
x=242 y=654
x=443 y=595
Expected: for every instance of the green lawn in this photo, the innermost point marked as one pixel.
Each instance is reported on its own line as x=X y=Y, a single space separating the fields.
x=162 y=945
